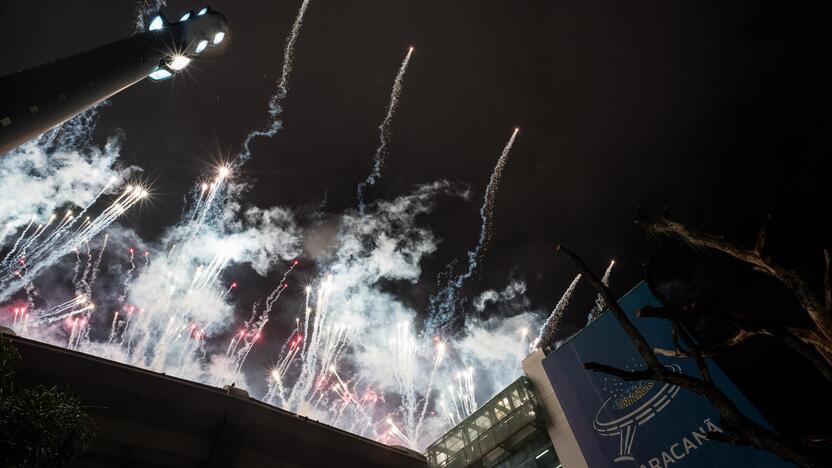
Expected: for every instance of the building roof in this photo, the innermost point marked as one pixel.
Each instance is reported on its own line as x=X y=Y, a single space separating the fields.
x=149 y=419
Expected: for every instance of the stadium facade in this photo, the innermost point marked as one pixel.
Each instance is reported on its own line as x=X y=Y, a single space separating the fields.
x=573 y=418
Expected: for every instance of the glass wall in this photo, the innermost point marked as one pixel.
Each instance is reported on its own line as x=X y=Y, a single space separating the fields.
x=495 y=433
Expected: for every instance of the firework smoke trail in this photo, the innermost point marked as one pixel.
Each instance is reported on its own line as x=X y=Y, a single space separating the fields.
x=45 y=176
x=97 y=266
x=254 y=327
x=231 y=287
x=397 y=432
x=62 y=242
x=202 y=209
x=276 y=390
x=113 y=328
x=337 y=338
x=275 y=102
x=487 y=209
x=20 y=322
x=183 y=306
x=41 y=228
x=550 y=327
x=600 y=304
x=306 y=312
x=130 y=310
x=76 y=270
x=82 y=286
x=522 y=350
x=17 y=243
x=31 y=292
x=5 y=233
x=84 y=303
x=79 y=299
x=325 y=344
x=403 y=350
x=127 y=277
x=443 y=304
x=158 y=339
x=463 y=397
x=440 y=350
x=450 y=415
x=384 y=133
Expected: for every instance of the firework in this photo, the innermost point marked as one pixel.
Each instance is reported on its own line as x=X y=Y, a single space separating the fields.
x=276 y=101
x=21 y=265
x=384 y=132
x=443 y=305
x=550 y=328
x=600 y=304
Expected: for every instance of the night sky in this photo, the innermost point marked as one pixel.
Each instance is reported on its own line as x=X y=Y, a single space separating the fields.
x=719 y=111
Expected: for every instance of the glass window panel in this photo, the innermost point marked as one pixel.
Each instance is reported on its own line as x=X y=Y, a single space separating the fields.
x=500 y=413
x=484 y=421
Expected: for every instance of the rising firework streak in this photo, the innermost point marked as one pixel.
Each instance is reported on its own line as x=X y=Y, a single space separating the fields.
x=33 y=252
x=276 y=101
x=443 y=304
x=549 y=329
x=384 y=132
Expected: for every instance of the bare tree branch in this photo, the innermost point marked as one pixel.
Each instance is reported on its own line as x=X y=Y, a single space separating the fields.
x=809 y=352
x=630 y=329
x=744 y=429
x=811 y=337
x=712 y=350
x=824 y=441
x=827 y=280
x=696 y=352
x=810 y=301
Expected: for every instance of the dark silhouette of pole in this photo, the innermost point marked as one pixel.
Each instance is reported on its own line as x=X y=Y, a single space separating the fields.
x=35 y=100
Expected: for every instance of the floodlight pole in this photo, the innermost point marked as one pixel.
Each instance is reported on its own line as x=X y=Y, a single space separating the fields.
x=38 y=99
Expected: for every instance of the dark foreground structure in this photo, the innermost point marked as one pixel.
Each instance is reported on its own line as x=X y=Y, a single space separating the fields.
x=35 y=100
x=145 y=419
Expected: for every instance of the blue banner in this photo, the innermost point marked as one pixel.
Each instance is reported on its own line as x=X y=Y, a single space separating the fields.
x=644 y=424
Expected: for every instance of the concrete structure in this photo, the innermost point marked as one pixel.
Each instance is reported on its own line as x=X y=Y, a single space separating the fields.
x=40 y=98
x=557 y=425
x=146 y=419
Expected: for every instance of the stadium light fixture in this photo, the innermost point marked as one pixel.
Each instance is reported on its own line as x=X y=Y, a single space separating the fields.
x=179 y=62
x=157 y=23
x=201 y=45
x=160 y=74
